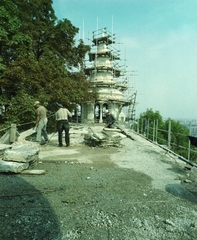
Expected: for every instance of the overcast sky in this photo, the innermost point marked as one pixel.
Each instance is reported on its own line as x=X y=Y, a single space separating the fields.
x=158 y=39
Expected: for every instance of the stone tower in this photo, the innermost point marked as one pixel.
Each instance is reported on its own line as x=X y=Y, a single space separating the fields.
x=104 y=73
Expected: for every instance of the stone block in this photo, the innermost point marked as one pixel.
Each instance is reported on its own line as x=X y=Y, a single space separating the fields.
x=4 y=147
x=13 y=167
x=25 y=134
x=22 y=153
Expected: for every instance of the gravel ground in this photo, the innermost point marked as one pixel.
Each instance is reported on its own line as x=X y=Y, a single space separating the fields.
x=135 y=192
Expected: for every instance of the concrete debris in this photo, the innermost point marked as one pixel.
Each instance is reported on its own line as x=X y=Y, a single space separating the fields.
x=104 y=139
x=112 y=129
x=33 y=172
x=25 y=134
x=3 y=147
x=18 y=157
x=169 y=222
x=187 y=181
x=21 y=153
x=13 y=167
x=77 y=134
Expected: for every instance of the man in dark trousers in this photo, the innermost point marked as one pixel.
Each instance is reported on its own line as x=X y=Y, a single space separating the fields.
x=110 y=120
x=62 y=123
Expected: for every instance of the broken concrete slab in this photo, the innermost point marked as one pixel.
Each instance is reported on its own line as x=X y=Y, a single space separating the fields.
x=3 y=147
x=13 y=167
x=112 y=129
x=22 y=153
x=25 y=134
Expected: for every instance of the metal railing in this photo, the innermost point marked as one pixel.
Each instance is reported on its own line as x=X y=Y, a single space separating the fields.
x=151 y=133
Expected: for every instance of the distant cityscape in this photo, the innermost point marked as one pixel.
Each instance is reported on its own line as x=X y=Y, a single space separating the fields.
x=190 y=124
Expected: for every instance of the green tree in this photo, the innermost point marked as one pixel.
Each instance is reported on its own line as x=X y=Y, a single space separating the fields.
x=151 y=115
x=148 y=121
x=40 y=60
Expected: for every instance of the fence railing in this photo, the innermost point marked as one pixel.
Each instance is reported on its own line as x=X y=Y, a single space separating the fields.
x=151 y=132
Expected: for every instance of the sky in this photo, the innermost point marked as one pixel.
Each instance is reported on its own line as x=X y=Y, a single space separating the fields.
x=158 y=44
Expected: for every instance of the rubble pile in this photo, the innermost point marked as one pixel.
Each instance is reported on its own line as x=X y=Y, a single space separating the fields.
x=17 y=155
x=77 y=133
x=104 y=139
x=18 y=158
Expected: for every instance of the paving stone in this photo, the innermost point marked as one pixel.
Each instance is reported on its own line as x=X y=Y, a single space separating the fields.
x=13 y=167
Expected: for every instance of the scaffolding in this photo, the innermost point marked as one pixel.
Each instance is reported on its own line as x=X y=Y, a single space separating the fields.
x=104 y=74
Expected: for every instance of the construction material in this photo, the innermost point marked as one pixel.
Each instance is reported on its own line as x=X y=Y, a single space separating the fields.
x=33 y=172
x=25 y=134
x=123 y=132
x=13 y=167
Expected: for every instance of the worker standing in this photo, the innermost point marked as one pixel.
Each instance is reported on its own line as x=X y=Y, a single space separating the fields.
x=62 y=123
x=41 y=122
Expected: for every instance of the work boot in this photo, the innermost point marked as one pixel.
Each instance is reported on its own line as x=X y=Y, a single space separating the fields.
x=43 y=142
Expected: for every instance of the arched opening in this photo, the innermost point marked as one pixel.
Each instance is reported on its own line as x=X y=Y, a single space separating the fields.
x=105 y=107
x=96 y=113
x=76 y=114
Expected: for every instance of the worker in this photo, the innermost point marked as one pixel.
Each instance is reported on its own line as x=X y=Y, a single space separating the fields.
x=41 y=122
x=62 y=123
x=110 y=120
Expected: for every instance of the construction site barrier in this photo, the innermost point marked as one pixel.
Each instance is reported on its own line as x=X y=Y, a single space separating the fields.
x=151 y=134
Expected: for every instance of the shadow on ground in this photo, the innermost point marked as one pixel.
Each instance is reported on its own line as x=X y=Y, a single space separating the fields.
x=181 y=192
x=24 y=212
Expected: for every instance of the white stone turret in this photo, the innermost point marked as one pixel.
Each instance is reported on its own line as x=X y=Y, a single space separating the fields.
x=103 y=74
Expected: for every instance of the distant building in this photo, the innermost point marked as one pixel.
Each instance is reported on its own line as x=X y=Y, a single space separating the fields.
x=191 y=125
x=193 y=130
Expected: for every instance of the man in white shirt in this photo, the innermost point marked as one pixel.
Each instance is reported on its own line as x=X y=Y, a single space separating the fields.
x=62 y=123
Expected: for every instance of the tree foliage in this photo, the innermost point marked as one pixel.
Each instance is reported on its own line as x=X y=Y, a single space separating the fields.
x=149 y=120
x=39 y=60
x=151 y=115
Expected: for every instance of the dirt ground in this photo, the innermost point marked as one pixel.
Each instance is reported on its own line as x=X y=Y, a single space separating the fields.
x=136 y=192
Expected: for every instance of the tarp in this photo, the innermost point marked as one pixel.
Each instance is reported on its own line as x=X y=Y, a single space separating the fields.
x=193 y=140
